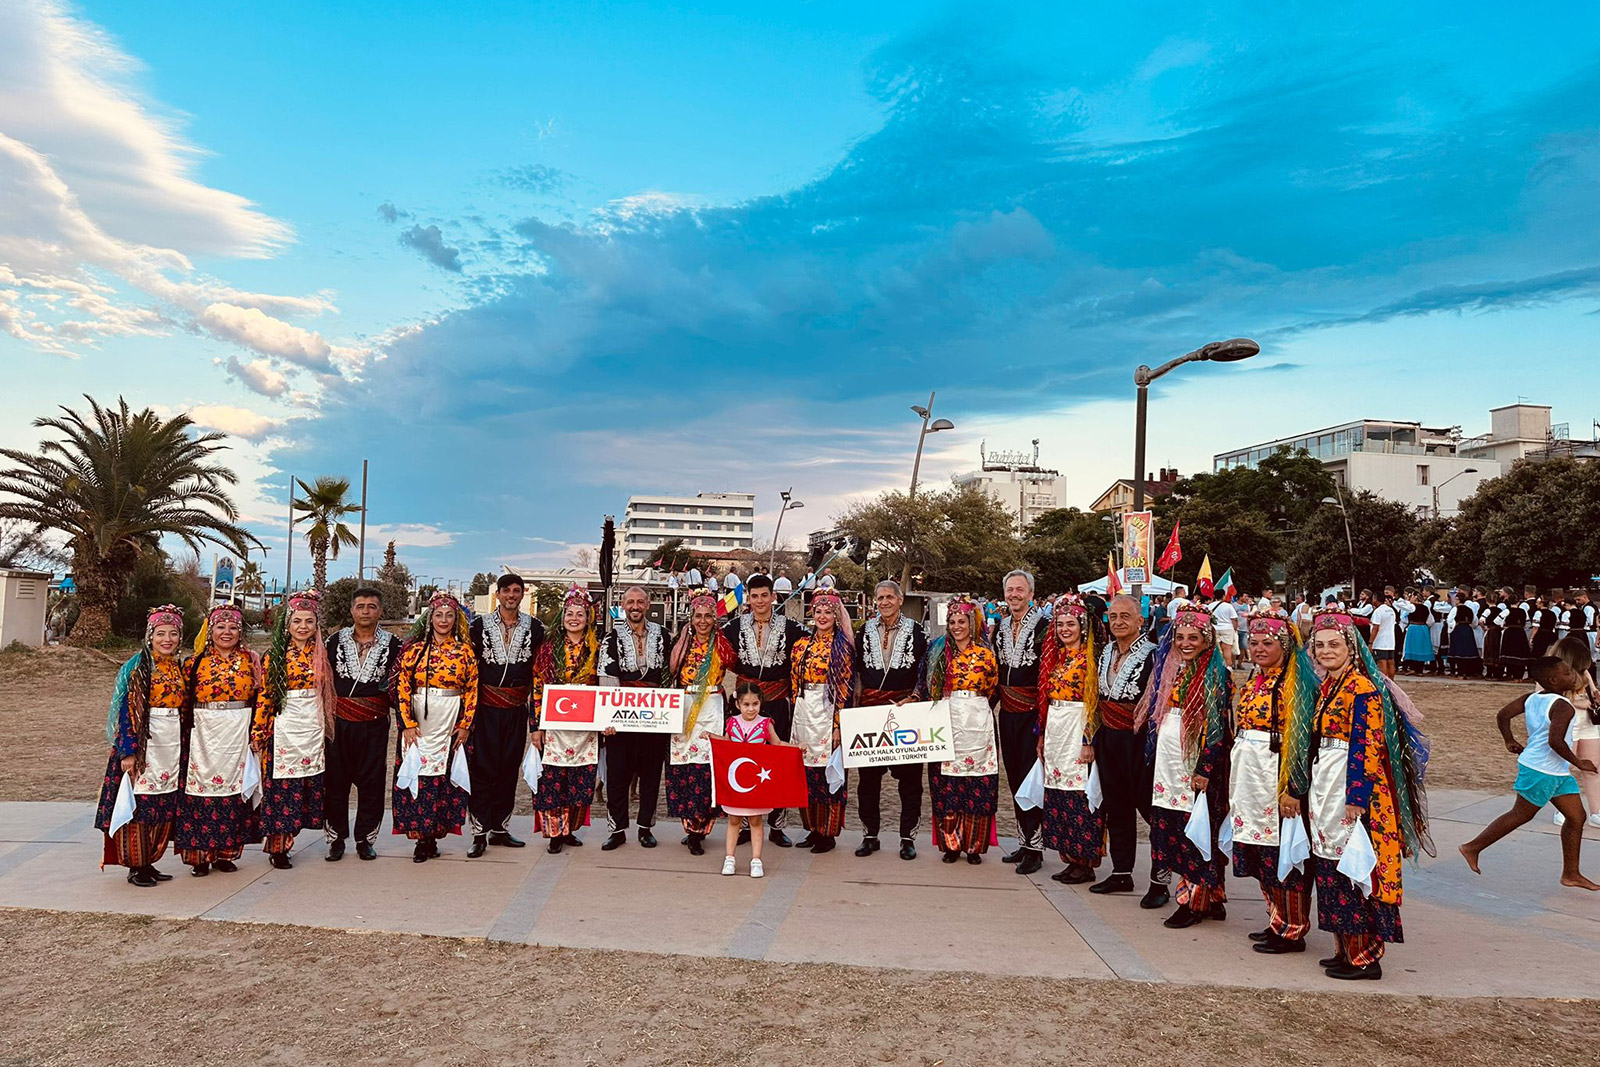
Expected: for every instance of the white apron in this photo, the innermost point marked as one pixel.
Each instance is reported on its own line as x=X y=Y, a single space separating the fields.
x=1253 y=789
x=218 y=746
x=163 y=751
x=1063 y=740
x=1329 y=776
x=695 y=746
x=298 y=743
x=571 y=748
x=972 y=736
x=812 y=729
x=433 y=732
x=1174 y=778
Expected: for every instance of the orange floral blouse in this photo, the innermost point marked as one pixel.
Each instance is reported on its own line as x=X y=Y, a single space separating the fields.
x=221 y=677
x=441 y=665
x=1070 y=675
x=1255 y=703
x=810 y=660
x=1350 y=708
x=300 y=673
x=698 y=651
x=974 y=670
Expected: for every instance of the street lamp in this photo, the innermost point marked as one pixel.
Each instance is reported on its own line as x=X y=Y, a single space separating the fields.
x=789 y=504
x=1338 y=499
x=1447 y=481
x=916 y=466
x=1230 y=351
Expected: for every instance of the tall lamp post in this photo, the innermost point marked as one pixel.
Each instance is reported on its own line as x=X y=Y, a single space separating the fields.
x=1230 y=351
x=933 y=426
x=789 y=504
x=1338 y=498
x=1447 y=481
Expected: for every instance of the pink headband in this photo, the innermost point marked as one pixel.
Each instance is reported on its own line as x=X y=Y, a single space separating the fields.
x=226 y=609
x=1198 y=619
x=1331 y=620
x=310 y=600
x=1268 y=624
x=164 y=615
x=439 y=599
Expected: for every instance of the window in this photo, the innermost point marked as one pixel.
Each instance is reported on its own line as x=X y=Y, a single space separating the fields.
x=1422 y=474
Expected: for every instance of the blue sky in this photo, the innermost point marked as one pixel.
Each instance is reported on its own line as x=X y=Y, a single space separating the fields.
x=532 y=258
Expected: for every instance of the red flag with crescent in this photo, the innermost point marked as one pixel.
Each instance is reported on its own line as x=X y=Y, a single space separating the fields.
x=756 y=776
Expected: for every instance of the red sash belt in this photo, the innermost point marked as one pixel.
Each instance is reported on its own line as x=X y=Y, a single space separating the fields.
x=503 y=696
x=1020 y=698
x=871 y=698
x=1117 y=714
x=361 y=709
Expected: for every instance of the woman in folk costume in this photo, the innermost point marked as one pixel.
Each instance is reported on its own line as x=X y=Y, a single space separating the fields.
x=1189 y=707
x=700 y=658
x=215 y=821
x=822 y=669
x=145 y=731
x=571 y=757
x=1269 y=772
x=1367 y=766
x=1069 y=718
x=437 y=695
x=963 y=671
x=293 y=721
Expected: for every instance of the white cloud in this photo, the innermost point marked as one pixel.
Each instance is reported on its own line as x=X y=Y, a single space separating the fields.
x=253 y=328
x=240 y=422
x=413 y=534
x=259 y=376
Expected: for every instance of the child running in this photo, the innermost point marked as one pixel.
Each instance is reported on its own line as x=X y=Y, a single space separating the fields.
x=1543 y=775
x=754 y=728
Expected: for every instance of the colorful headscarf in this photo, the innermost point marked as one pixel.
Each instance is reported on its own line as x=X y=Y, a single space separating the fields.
x=202 y=640
x=133 y=681
x=163 y=615
x=551 y=662
x=276 y=686
x=423 y=630
x=1295 y=690
x=841 y=652
x=718 y=656
x=942 y=652
x=1204 y=688
x=1051 y=655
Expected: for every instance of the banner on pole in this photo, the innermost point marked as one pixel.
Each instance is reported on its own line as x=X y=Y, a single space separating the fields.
x=627 y=710
x=896 y=733
x=1138 y=534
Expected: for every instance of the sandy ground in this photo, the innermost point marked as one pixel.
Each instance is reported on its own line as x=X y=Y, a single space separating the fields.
x=88 y=988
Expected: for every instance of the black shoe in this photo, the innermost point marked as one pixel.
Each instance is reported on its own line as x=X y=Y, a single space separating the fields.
x=366 y=851
x=1073 y=876
x=225 y=866
x=280 y=860
x=157 y=875
x=433 y=848
x=480 y=845
x=554 y=846
x=779 y=838
x=1330 y=961
x=505 y=840
x=1113 y=883
x=1263 y=935
x=974 y=859
x=1279 y=946
x=646 y=838
x=141 y=877
x=808 y=840
x=1015 y=857
x=950 y=857
x=1031 y=863
x=869 y=845
x=823 y=844
x=696 y=846
x=615 y=841
x=571 y=839
x=1217 y=911
x=1157 y=896
x=908 y=849
x=422 y=853
x=1183 y=918
x=200 y=870
x=335 y=851
x=744 y=836
x=1349 y=972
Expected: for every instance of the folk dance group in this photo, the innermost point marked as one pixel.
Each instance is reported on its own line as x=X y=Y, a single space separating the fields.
x=223 y=751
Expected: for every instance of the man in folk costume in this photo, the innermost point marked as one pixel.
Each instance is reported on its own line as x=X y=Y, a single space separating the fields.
x=506 y=643
x=824 y=672
x=699 y=663
x=635 y=655
x=1189 y=709
x=293 y=720
x=1269 y=771
x=215 y=821
x=965 y=790
x=363 y=658
x=436 y=694
x=761 y=641
x=566 y=785
x=1019 y=634
x=1367 y=764
x=1124 y=671
x=145 y=731
x=1069 y=719
x=890 y=660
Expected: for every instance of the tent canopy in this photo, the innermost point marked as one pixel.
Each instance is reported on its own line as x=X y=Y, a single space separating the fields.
x=1155 y=586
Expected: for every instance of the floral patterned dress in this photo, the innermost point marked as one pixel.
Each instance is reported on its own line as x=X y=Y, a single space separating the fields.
x=811 y=663
x=288 y=805
x=143 y=841
x=1070 y=828
x=689 y=784
x=214 y=823
x=964 y=805
x=1201 y=882
x=571 y=757
x=440 y=806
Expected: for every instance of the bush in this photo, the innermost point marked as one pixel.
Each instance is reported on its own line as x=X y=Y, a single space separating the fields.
x=155 y=582
x=336 y=602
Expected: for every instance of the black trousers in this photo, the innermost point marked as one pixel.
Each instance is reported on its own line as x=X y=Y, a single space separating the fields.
x=633 y=758
x=1125 y=783
x=869 y=790
x=494 y=760
x=781 y=712
x=1019 y=751
x=357 y=755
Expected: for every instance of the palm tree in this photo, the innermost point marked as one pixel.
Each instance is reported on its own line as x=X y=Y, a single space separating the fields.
x=323 y=505
x=114 y=485
x=250 y=581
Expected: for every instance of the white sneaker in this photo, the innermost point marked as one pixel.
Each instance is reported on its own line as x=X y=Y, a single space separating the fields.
x=727 y=865
x=1558 y=819
x=756 y=870
x=1594 y=820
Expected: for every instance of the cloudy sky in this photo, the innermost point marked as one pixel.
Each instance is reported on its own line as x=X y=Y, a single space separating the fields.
x=535 y=258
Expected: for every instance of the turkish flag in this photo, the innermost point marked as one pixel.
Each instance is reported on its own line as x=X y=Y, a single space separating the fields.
x=567 y=704
x=757 y=776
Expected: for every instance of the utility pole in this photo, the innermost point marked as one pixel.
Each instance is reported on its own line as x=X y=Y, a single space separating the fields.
x=361 y=550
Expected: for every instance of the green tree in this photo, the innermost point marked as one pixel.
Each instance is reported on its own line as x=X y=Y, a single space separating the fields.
x=957 y=539
x=1383 y=533
x=547 y=598
x=323 y=507
x=393 y=571
x=113 y=484
x=250 y=581
x=1537 y=524
x=676 y=557
x=396 y=601
x=481 y=583
x=153 y=581
x=1066 y=546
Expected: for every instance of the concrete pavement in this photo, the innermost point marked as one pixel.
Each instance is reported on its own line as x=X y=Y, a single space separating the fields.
x=1511 y=932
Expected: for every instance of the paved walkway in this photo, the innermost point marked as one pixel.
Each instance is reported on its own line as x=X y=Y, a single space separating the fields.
x=1511 y=932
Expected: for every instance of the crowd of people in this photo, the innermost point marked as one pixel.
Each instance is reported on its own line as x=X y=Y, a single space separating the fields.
x=1303 y=771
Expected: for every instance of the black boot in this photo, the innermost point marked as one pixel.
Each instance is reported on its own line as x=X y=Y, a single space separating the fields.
x=1015 y=857
x=908 y=849
x=480 y=845
x=554 y=846
x=335 y=851
x=422 y=853
x=141 y=877
x=647 y=839
x=157 y=875
x=280 y=860
x=1350 y=972
x=200 y=870
x=1157 y=896
x=1183 y=918
x=1031 y=862
x=225 y=866
x=869 y=845
x=366 y=851
x=503 y=839
x=696 y=844
x=1113 y=883
x=615 y=841
x=779 y=838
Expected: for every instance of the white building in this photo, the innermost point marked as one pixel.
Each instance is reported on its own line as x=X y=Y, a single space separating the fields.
x=707 y=523
x=24 y=596
x=1016 y=480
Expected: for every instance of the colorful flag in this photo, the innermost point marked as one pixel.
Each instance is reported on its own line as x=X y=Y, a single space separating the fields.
x=732 y=600
x=756 y=776
x=1173 y=555
x=1113 y=583
x=1202 y=582
x=1225 y=587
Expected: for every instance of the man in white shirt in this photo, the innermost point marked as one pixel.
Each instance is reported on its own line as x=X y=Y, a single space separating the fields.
x=826 y=579
x=781 y=585
x=1226 y=619
x=1179 y=601
x=1383 y=624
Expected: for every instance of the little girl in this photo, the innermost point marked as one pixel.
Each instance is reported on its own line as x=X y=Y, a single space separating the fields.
x=751 y=727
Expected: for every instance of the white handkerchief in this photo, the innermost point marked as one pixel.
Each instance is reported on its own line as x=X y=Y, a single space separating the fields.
x=1030 y=794
x=410 y=769
x=1199 y=828
x=1225 y=837
x=1359 y=860
x=122 y=812
x=835 y=771
x=251 y=787
x=1092 y=791
x=532 y=767
x=458 y=770
x=1294 y=847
